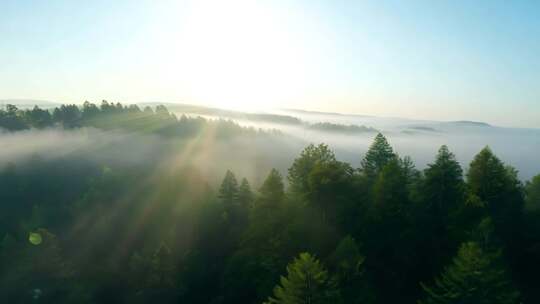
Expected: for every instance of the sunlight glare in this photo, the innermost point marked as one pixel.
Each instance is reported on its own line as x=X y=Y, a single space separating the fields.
x=236 y=54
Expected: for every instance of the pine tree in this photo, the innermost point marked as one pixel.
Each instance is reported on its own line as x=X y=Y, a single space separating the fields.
x=474 y=277
x=533 y=193
x=348 y=264
x=437 y=218
x=487 y=176
x=245 y=195
x=409 y=170
x=272 y=190
x=328 y=186
x=347 y=259
x=264 y=246
x=241 y=210
x=228 y=192
x=390 y=191
x=307 y=282
x=302 y=166
x=498 y=188
x=443 y=185
x=390 y=234
x=380 y=153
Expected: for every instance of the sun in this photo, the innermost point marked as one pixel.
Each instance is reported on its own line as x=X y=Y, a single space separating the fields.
x=235 y=54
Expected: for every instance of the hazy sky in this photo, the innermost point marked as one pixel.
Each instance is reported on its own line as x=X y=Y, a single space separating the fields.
x=445 y=60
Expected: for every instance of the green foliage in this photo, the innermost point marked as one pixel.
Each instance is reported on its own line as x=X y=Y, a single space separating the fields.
x=228 y=191
x=487 y=175
x=272 y=190
x=317 y=178
x=497 y=188
x=124 y=232
x=342 y=129
x=440 y=211
x=347 y=258
x=348 y=265
x=475 y=276
x=11 y=119
x=68 y=115
x=306 y=282
x=110 y=116
x=390 y=192
x=245 y=195
x=533 y=193
x=328 y=185
x=380 y=153
x=302 y=166
x=412 y=175
x=443 y=186
x=38 y=118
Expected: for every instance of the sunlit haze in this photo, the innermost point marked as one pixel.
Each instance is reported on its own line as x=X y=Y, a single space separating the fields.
x=270 y=151
x=449 y=60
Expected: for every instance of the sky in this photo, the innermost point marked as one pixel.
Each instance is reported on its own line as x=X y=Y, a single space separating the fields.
x=435 y=60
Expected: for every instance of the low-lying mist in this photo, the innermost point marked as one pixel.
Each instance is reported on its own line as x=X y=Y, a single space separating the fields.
x=253 y=156
x=415 y=138
x=250 y=157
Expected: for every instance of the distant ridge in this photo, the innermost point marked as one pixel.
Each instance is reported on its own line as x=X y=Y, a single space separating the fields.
x=21 y=101
x=203 y=110
x=28 y=103
x=470 y=123
x=341 y=128
x=308 y=112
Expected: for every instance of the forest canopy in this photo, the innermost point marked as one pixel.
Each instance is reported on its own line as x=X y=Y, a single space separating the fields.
x=325 y=231
x=109 y=116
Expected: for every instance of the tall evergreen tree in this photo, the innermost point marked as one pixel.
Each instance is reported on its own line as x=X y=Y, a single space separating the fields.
x=265 y=246
x=329 y=186
x=441 y=197
x=89 y=111
x=533 y=193
x=307 y=282
x=390 y=233
x=302 y=166
x=348 y=264
x=498 y=189
x=272 y=191
x=228 y=192
x=379 y=154
x=487 y=176
x=390 y=191
x=10 y=119
x=409 y=170
x=38 y=118
x=245 y=195
x=443 y=187
x=476 y=277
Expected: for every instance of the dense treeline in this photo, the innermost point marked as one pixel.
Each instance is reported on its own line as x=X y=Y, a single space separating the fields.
x=266 y=117
x=117 y=116
x=343 y=129
x=77 y=232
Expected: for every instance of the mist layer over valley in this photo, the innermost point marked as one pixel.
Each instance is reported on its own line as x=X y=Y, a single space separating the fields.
x=418 y=139
x=348 y=135
x=206 y=153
